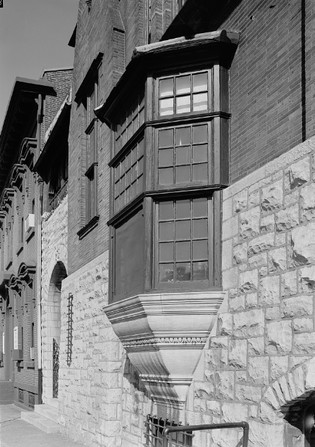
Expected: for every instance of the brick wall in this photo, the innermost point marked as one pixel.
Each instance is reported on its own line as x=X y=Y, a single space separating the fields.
x=266 y=82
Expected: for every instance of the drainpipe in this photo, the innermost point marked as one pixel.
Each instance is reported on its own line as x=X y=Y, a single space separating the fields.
x=38 y=235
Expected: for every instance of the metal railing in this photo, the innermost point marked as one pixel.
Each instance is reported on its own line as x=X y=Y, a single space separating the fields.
x=187 y=431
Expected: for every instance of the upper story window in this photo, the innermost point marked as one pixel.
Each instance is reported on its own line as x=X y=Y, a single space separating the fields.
x=128 y=173
x=91 y=199
x=130 y=122
x=183 y=155
x=183 y=94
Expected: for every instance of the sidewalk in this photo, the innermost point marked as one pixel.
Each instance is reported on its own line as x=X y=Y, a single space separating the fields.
x=17 y=433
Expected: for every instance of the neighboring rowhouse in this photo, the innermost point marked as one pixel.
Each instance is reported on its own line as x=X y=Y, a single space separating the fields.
x=191 y=224
x=19 y=303
x=32 y=107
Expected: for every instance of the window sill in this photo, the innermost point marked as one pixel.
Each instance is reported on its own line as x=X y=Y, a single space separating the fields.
x=88 y=227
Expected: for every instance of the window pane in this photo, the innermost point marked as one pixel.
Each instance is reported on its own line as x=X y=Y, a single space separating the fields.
x=165 y=157
x=166 y=106
x=200 y=172
x=182 y=85
x=183 y=229
x=166 y=87
x=183 y=155
x=182 y=136
x=200 y=249
x=200 y=134
x=166 y=273
x=200 y=153
x=166 y=231
x=200 y=228
x=166 y=176
x=200 y=270
x=166 y=251
x=140 y=148
x=200 y=208
x=166 y=211
x=182 y=251
x=182 y=209
x=200 y=82
x=182 y=104
x=182 y=174
x=183 y=271
x=200 y=102
x=166 y=138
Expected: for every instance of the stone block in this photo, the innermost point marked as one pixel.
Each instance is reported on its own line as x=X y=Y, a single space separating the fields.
x=248 y=281
x=289 y=283
x=237 y=357
x=279 y=337
x=271 y=398
x=273 y=313
x=304 y=343
x=303 y=325
x=299 y=306
x=248 y=393
x=278 y=366
x=258 y=261
x=214 y=407
x=303 y=243
x=287 y=219
x=230 y=278
x=307 y=279
x=272 y=197
x=230 y=228
x=254 y=198
x=249 y=324
x=310 y=375
x=308 y=202
x=251 y=300
x=269 y=290
x=227 y=209
x=261 y=244
x=267 y=414
x=241 y=376
x=267 y=223
x=237 y=303
x=292 y=198
x=249 y=223
x=225 y=384
x=240 y=253
x=227 y=259
x=277 y=260
x=258 y=370
x=240 y=201
x=234 y=412
x=219 y=342
x=297 y=174
x=225 y=324
x=256 y=346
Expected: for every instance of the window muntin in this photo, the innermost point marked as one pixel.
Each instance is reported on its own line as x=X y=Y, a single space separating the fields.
x=183 y=93
x=130 y=123
x=183 y=240
x=128 y=176
x=183 y=155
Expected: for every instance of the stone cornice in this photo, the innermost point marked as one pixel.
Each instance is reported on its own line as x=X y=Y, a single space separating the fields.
x=164 y=334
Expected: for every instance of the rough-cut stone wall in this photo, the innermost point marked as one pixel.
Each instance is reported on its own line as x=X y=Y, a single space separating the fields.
x=100 y=401
x=54 y=253
x=260 y=356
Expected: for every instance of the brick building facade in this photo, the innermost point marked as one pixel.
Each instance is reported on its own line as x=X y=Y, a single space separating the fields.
x=186 y=294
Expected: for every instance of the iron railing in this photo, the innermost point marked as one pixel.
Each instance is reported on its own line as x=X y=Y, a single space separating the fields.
x=170 y=441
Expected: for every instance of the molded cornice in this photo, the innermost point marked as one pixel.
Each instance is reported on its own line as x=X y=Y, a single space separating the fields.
x=164 y=335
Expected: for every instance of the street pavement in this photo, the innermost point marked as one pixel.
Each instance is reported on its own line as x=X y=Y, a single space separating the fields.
x=17 y=433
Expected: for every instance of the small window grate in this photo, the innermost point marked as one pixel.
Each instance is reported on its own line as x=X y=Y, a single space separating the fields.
x=154 y=433
x=21 y=395
x=31 y=400
x=69 y=328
